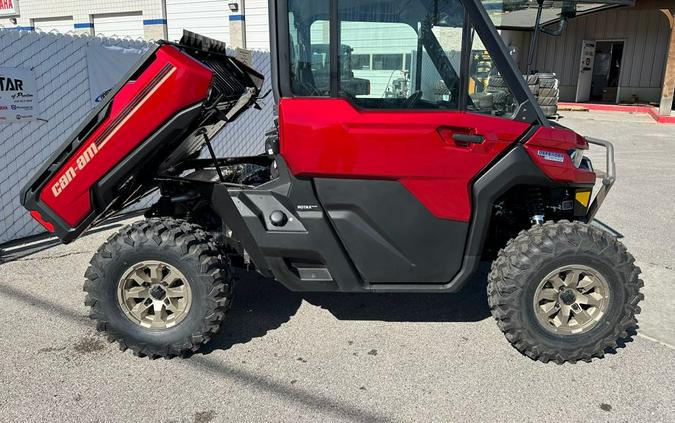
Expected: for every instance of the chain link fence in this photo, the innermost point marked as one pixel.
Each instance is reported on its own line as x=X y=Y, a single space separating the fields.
x=59 y=64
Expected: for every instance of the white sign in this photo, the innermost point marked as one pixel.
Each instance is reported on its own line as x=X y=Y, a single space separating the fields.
x=585 y=79
x=9 y=7
x=18 y=95
x=107 y=65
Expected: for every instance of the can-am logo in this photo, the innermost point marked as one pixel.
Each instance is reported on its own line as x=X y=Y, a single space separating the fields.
x=99 y=142
x=70 y=174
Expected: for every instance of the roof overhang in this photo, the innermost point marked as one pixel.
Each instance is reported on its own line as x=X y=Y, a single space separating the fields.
x=520 y=15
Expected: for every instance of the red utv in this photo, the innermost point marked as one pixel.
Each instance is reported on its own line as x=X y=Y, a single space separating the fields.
x=391 y=168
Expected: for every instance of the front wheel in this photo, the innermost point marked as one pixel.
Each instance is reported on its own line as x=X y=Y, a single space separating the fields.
x=564 y=292
x=159 y=287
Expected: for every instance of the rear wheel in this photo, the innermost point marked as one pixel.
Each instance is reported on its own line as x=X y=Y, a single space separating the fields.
x=159 y=287
x=564 y=292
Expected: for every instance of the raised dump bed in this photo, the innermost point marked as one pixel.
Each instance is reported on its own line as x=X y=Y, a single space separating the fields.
x=147 y=124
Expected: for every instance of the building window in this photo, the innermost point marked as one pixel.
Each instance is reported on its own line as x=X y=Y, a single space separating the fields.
x=401 y=60
x=387 y=61
x=361 y=61
x=407 y=61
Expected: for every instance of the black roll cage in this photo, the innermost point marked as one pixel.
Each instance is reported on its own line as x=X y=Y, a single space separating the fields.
x=475 y=16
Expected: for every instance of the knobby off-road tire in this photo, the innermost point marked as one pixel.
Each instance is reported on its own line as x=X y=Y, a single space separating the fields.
x=186 y=250
x=497 y=82
x=550 y=111
x=530 y=259
x=548 y=80
x=549 y=92
x=499 y=97
x=548 y=101
x=532 y=79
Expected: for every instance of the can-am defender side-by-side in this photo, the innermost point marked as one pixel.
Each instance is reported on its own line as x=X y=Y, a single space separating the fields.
x=391 y=168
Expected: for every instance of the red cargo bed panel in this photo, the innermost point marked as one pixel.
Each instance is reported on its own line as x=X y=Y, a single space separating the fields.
x=148 y=125
x=172 y=82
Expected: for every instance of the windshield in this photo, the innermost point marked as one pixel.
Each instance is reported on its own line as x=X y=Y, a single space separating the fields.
x=394 y=54
x=522 y=14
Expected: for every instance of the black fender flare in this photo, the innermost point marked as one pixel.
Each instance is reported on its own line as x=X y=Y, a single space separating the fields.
x=514 y=168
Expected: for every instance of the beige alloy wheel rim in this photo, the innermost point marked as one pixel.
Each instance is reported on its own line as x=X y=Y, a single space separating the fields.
x=571 y=300
x=155 y=295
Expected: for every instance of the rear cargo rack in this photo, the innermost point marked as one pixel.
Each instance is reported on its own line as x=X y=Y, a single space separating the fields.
x=200 y=42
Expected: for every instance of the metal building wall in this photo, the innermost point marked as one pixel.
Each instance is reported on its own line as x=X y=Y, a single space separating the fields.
x=82 y=13
x=257 y=25
x=645 y=33
x=207 y=17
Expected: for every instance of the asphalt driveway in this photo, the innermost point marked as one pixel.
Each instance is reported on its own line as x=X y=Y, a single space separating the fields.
x=366 y=358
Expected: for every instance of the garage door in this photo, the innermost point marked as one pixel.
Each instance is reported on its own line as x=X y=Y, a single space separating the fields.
x=206 y=17
x=62 y=25
x=120 y=24
x=257 y=25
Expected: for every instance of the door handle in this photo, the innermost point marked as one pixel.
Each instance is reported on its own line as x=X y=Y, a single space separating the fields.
x=468 y=138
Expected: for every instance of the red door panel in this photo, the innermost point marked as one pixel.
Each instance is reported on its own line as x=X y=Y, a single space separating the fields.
x=330 y=138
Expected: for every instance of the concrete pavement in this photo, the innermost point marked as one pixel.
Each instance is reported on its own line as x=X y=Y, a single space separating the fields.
x=365 y=358
x=640 y=206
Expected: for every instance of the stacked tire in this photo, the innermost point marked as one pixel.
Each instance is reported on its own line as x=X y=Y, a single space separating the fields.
x=533 y=84
x=440 y=89
x=484 y=102
x=501 y=94
x=497 y=96
x=496 y=83
x=548 y=94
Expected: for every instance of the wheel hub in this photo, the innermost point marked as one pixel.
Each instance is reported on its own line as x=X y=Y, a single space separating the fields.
x=568 y=297
x=155 y=295
x=158 y=293
x=571 y=300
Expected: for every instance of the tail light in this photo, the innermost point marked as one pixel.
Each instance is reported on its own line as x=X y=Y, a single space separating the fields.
x=48 y=226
